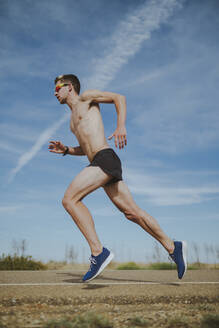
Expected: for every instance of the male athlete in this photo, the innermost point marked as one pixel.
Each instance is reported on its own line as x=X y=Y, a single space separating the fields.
x=104 y=171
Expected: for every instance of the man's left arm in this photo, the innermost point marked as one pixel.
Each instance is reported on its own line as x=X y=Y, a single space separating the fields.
x=120 y=134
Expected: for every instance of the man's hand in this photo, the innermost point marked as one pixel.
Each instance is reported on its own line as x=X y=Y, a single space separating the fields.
x=56 y=147
x=120 y=136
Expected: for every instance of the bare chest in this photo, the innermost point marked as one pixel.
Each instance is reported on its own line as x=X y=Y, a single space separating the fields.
x=84 y=119
x=77 y=117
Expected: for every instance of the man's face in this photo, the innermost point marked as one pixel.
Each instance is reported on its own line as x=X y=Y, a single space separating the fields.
x=61 y=91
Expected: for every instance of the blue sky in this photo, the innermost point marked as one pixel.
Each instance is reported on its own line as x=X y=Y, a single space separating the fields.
x=163 y=56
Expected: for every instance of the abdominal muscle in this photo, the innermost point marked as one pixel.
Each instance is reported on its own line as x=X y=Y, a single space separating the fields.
x=89 y=131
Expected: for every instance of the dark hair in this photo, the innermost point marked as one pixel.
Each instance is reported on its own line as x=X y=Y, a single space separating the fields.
x=70 y=78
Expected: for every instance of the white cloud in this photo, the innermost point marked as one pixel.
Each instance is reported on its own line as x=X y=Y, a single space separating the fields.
x=9 y=147
x=17 y=132
x=10 y=209
x=166 y=190
x=146 y=77
x=162 y=196
x=104 y=212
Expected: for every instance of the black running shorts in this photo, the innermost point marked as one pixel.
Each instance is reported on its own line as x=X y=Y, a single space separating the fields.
x=109 y=162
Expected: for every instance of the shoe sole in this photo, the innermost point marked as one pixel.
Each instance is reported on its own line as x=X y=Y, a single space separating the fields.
x=102 y=267
x=184 y=254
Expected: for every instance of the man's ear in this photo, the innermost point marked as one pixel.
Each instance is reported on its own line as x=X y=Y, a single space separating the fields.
x=70 y=87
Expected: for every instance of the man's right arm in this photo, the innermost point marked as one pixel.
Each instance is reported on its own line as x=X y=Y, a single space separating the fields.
x=58 y=148
x=78 y=151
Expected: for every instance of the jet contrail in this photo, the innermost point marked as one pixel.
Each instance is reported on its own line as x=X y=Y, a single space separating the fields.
x=43 y=138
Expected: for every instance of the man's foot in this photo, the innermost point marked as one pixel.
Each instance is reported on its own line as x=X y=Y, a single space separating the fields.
x=179 y=257
x=98 y=263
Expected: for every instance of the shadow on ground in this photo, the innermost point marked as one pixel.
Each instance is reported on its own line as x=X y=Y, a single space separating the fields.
x=77 y=278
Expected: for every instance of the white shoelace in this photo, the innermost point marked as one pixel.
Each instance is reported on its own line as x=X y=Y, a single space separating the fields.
x=92 y=261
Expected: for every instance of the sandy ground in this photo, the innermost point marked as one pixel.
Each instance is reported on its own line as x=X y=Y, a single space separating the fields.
x=31 y=298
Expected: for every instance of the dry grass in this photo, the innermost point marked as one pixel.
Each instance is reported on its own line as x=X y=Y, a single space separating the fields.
x=88 y=320
x=54 y=265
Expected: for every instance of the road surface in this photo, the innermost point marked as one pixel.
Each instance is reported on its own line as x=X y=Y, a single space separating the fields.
x=30 y=298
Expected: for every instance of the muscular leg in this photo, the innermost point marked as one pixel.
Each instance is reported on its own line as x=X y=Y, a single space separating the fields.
x=84 y=183
x=122 y=198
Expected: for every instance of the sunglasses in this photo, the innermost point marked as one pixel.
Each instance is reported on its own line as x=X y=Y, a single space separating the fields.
x=59 y=86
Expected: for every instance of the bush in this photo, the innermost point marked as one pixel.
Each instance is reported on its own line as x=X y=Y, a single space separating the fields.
x=198 y=266
x=210 y=321
x=177 y=323
x=162 y=266
x=20 y=263
x=159 y=266
x=88 y=320
x=2 y=325
x=129 y=266
x=139 y=322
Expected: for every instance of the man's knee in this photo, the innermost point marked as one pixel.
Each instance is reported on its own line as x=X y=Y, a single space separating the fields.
x=71 y=198
x=65 y=202
x=68 y=203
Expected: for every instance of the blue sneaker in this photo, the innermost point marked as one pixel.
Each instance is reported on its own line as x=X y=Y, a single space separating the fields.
x=179 y=257
x=98 y=263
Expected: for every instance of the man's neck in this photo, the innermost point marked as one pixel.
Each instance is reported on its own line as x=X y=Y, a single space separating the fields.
x=72 y=101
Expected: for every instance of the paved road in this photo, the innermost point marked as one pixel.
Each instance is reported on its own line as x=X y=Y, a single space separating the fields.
x=108 y=277
x=31 y=298
x=111 y=283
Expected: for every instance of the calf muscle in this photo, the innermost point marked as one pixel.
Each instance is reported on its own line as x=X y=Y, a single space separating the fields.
x=122 y=198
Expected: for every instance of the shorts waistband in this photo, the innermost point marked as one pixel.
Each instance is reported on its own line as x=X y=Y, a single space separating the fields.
x=102 y=150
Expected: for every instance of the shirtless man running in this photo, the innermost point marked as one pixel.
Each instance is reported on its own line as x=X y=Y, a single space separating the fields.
x=104 y=171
